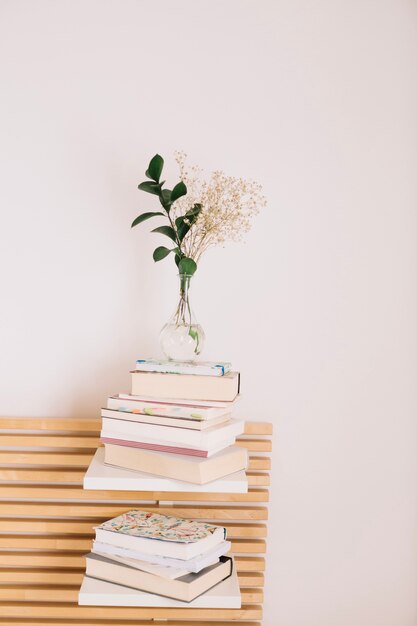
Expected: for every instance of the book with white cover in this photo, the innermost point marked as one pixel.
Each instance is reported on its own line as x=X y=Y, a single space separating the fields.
x=157 y=570
x=93 y=592
x=197 y=469
x=174 y=549
x=199 y=368
x=180 y=422
x=207 y=439
x=195 y=564
x=108 y=477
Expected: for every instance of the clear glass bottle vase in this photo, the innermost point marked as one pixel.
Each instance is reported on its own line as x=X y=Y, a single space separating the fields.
x=182 y=338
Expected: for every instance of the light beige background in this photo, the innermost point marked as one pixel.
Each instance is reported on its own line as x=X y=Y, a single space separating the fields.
x=317 y=100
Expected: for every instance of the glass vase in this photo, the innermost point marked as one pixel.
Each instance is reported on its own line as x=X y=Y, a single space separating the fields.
x=182 y=338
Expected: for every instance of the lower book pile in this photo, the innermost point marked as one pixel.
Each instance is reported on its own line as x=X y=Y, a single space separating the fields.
x=147 y=559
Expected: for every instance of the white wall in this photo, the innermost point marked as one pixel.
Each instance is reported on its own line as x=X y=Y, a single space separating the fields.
x=316 y=100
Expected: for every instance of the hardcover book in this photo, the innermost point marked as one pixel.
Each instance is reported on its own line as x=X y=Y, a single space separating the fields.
x=185 y=588
x=141 y=417
x=207 y=439
x=201 y=409
x=94 y=592
x=184 y=467
x=208 y=388
x=153 y=444
x=161 y=535
x=201 y=368
x=195 y=564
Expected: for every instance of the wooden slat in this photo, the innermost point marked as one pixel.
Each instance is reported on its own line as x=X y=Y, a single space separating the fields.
x=117 y=622
x=55 y=459
x=52 y=423
x=75 y=577
x=255 y=445
x=17 y=593
x=48 y=441
x=44 y=475
x=70 y=560
x=259 y=463
x=73 y=611
x=59 y=543
x=258 y=479
x=91 y=443
x=82 y=527
x=93 y=425
x=108 y=510
x=65 y=492
x=82 y=459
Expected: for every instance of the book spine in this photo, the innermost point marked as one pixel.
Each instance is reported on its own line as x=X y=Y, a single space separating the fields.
x=207 y=369
x=157 y=447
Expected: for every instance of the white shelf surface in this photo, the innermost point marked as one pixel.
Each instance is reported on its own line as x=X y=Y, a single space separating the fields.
x=93 y=592
x=102 y=476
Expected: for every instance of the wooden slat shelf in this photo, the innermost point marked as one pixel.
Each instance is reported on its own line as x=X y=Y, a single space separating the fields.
x=66 y=459
x=82 y=527
x=53 y=593
x=92 y=443
x=37 y=542
x=77 y=559
x=93 y=425
x=117 y=622
x=55 y=577
x=47 y=521
x=47 y=476
x=65 y=492
x=51 y=610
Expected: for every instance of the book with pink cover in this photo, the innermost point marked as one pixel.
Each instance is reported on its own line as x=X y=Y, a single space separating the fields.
x=153 y=445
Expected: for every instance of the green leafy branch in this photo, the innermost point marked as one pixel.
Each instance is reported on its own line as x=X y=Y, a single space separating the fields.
x=177 y=229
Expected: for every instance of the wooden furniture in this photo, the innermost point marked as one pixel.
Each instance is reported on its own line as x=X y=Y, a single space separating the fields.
x=47 y=520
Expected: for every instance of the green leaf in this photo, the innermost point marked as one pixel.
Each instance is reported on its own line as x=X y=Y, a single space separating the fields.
x=193 y=213
x=160 y=253
x=145 y=216
x=187 y=266
x=165 y=199
x=166 y=230
x=179 y=190
x=193 y=333
x=155 y=166
x=150 y=187
x=182 y=227
x=177 y=259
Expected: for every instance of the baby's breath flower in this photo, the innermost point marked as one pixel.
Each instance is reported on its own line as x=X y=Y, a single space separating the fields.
x=228 y=206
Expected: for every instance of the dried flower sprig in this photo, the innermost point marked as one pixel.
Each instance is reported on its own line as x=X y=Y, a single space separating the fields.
x=201 y=213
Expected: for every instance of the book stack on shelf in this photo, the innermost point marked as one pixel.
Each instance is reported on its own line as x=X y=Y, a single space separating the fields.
x=174 y=432
x=148 y=559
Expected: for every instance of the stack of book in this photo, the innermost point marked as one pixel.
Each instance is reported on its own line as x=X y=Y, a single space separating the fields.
x=140 y=556
x=176 y=424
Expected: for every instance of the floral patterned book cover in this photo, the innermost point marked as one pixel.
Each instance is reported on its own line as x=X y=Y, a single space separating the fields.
x=149 y=525
x=199 y=368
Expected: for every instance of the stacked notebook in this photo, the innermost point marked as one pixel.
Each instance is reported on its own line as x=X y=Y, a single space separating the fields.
x=176 y=424
x=140 y=556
